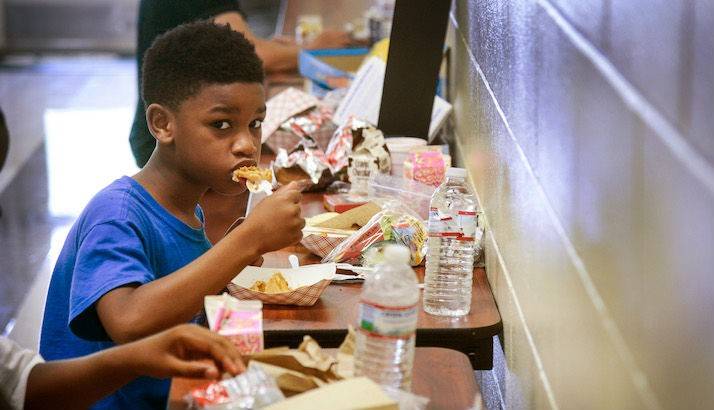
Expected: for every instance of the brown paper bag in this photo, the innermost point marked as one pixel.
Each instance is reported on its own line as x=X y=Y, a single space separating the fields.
x=290 y=382
x=308 y=359
x=356 y=393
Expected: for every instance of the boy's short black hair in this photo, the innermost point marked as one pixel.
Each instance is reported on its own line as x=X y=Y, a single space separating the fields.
x=196 y=54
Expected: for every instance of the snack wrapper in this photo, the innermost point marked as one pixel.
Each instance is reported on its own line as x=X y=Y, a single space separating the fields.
x=339 y=149
x=373 y=144
x=426 y=166
x=395 y=223
x=284 y=105
x=253 y=389
x=357 y=137
x=240 y=321
x=310 y=162
x=313 y=128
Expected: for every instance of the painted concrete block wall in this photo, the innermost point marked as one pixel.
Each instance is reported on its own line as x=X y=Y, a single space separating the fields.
x=588 y=131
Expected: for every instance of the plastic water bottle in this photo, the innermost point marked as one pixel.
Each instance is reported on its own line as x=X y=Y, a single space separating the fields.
x=387 y=321
x=451 y=247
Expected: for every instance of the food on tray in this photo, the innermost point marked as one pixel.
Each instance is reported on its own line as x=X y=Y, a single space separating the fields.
x=253 y=176
x=304 y=284
x=395 y=223
x=276 y=284
x=320 y=240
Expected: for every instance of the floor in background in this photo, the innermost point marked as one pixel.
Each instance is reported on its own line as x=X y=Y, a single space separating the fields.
x=69 y=121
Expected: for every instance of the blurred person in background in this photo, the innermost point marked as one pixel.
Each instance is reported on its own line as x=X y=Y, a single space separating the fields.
x=278 y=54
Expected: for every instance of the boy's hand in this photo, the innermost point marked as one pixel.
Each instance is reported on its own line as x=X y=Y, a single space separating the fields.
x=330 y=39
x=181 y=351
x=276 y=222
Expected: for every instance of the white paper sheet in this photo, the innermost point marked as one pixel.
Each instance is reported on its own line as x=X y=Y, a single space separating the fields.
x=364 y=98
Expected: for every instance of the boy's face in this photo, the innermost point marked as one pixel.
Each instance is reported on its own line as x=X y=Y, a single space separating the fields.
x=217 y=131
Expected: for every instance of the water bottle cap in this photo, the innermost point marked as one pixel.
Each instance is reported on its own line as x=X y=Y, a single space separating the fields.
x=397 y=254
x=456 y=172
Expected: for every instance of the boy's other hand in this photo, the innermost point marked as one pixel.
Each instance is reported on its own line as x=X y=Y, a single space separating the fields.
x=276 y=222
x=182 y=351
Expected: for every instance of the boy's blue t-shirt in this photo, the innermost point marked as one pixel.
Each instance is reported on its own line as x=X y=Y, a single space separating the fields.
x=122 y=237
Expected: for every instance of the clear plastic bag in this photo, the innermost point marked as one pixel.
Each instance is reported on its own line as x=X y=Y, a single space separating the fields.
x=413 y=194
x=395 y=223
x=254 y=389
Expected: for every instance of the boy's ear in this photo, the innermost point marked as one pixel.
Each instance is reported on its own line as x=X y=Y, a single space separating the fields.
x=161 y=123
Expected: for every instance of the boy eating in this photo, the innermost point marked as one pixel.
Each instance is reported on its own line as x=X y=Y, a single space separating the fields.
x=137 y=260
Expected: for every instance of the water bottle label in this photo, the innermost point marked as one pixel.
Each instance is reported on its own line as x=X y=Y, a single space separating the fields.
x=460 y=225
x=389 y=322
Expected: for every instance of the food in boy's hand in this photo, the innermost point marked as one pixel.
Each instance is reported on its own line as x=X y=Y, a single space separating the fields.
x=276 y=284
x=253 y=176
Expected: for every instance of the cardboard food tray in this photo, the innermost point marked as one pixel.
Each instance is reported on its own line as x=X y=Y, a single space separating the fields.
x=322 y=241
x=325 y=231
x=308 y=282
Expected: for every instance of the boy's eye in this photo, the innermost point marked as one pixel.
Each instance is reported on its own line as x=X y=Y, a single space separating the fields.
x=256 y=124
x=221 y=125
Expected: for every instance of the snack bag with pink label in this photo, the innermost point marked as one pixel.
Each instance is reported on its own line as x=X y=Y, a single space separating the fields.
x=239 y=320
x=426 y=166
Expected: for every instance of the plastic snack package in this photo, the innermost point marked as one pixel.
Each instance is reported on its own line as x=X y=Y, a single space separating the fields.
x=313 y=127
x=357 y=137
x=239 y=320
x=426 y=166
x=414 y=194
x=308 y=163
x=253 y=389
x=394 y=223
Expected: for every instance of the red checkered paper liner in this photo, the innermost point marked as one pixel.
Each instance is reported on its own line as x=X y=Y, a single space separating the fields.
x=308 y=282
x=321 y=243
